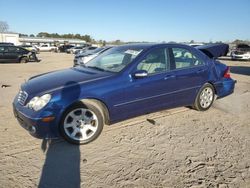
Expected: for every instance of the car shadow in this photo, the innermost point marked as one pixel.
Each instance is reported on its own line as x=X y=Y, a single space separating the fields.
x=62 y=165
x=240 y=70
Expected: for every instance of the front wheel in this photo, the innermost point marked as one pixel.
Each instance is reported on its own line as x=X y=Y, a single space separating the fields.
x=23 y=60
x=82 y=123
x=204 y=98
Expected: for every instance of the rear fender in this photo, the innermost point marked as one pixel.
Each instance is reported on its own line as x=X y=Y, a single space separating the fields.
x=223 y=86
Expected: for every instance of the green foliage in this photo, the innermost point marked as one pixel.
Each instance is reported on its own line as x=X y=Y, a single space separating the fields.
x=23 y=35
x=87 y=38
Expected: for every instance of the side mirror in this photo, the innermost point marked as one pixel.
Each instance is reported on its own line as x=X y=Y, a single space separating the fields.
x=140 y=74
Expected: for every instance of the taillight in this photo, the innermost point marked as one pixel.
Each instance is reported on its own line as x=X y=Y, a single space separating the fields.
x=227 y=73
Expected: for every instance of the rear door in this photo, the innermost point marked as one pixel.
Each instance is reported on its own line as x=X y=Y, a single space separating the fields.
x=191 y=73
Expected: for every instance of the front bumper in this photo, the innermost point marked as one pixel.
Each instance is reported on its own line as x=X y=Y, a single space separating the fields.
x=34 y=124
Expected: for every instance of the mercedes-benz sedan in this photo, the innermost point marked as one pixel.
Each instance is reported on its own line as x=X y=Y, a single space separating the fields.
x=121 y=83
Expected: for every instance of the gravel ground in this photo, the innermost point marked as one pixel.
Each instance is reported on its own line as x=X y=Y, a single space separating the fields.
x=172 y=148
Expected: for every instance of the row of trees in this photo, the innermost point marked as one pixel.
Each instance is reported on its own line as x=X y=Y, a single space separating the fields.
x=4 y=27
x=87 y=38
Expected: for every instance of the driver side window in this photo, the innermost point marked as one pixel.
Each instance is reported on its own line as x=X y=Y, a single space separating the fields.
x=155 y=62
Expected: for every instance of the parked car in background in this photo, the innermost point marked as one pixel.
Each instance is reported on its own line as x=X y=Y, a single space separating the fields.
x=86 y=49
x=65 y=47
x=76 y=49
x=47 y=48
x=30 y=48
x=195 y=44
x=123 y=82
x=241 y=52
x=84 y=57
x=6 y=44
x=16 y=54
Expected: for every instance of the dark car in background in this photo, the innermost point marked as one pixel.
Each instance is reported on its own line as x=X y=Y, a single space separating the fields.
x=6 y=44
x=16 y=54
x=241 y=52
x=65 y=47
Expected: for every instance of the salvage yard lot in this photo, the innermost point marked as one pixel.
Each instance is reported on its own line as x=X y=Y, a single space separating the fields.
x=172 y=148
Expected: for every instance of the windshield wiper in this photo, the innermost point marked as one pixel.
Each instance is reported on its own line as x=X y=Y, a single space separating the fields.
x=97 y=68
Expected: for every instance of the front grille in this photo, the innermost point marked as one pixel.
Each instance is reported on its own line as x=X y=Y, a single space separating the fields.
x=22 y=96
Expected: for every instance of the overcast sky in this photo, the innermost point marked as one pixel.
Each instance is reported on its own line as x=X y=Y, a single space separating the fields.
x=132 y=20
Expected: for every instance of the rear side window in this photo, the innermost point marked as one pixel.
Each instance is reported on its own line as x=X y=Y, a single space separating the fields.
x=184 y=58
x=155 y=62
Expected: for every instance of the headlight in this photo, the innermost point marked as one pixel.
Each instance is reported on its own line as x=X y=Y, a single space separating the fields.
x=37 y=103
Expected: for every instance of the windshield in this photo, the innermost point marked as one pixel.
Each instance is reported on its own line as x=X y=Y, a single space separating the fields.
x=114 y=60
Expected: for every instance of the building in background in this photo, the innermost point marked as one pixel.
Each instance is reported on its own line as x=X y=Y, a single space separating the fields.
x=17 y=40
x=10 y=37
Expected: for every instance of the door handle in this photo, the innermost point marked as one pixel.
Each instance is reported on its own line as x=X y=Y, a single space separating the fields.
x=169 y=77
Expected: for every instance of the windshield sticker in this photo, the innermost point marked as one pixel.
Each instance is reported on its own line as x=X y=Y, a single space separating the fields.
x=133 y=52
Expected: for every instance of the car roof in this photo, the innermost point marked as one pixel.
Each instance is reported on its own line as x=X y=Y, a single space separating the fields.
x=150 y=45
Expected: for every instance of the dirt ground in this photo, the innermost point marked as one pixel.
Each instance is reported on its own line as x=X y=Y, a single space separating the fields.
x=173 y=148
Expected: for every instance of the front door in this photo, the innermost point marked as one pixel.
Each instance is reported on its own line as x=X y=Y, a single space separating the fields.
x=151 y=92
x=11 y=54
x=2 y=58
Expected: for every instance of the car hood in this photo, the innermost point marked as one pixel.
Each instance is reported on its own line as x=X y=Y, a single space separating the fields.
x=55 y=80
x=214 y=50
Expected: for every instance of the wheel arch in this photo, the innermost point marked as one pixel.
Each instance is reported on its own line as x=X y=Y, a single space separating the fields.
x=102 y=106
x=215 y=91
x=22 y=57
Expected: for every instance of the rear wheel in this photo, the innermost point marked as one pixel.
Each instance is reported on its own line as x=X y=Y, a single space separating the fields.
x=204 y=98
x=82 y=123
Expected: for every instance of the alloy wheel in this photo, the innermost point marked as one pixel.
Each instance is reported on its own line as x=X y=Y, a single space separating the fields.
x=80 y=124
x=206 y=97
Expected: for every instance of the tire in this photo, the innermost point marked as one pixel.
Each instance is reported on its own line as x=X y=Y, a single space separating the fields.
x=23 y=60
x=204 y=98
x=82 y=123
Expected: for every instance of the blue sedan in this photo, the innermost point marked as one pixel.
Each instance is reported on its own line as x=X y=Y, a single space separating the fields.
x=123 y=82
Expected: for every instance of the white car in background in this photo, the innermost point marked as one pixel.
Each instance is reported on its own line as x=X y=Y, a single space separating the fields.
x=47 y=48
x=195 y=44
x=89 y=48
x=84 y=57
x=76 y=49
x=241 y=52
